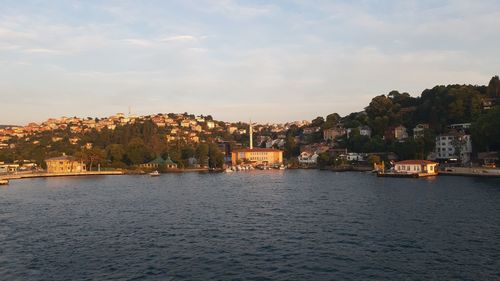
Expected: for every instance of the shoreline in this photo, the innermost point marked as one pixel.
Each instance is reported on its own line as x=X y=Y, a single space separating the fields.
x=462 y=172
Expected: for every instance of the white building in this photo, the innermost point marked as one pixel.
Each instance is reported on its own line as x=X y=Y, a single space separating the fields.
x=446 y=147
x=352 y=156
x=363 y=131
x=419 y=130
x=416 y=167
x=307 y=158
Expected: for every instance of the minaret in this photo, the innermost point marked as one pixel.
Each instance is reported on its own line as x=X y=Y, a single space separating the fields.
x=251 y=135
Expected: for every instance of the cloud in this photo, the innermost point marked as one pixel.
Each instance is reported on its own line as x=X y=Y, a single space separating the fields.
x=138 y=42
x=40 y=51
x=179 y=38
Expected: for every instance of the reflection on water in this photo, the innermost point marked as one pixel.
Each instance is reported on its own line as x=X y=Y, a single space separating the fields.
x=261 y=225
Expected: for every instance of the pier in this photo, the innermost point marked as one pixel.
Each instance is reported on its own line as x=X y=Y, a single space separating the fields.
x=473 y=172
x=6 y=178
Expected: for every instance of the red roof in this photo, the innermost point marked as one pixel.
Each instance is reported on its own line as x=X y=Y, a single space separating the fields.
x=415 y=162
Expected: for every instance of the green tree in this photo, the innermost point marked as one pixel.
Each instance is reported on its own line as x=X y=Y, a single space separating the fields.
x=201 y=154
x=137 y=152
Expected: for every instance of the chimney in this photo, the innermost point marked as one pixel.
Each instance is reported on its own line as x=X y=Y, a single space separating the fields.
x=251 y=135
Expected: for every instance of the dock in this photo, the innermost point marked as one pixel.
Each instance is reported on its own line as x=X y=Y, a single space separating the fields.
x=53 y=175
x=472 y=172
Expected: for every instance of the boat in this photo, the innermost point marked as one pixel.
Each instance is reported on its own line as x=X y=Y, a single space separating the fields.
x=228 y=170
x=282 y=167
x=154 y=174
x=4 y=182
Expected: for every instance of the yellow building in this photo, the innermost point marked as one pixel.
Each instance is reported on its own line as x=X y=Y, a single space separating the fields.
x=65 y=164
x=256 y=156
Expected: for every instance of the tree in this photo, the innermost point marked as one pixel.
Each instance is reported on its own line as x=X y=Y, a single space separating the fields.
x=216 y=158
x=485 y=132
x=493 y=89
x=201 y=154
x=115 y=152
x=318 y=121
x=137 y=153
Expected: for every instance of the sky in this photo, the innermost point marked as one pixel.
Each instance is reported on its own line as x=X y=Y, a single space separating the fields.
x=271 y=61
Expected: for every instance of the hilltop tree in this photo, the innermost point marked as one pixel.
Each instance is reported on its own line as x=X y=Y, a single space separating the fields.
x=493 y=89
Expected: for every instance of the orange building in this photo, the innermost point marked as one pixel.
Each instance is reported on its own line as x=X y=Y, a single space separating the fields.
x=256 y=156
x=65 y=164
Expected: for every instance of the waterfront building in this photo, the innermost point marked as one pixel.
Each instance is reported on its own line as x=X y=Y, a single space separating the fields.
x=256 y=156
x=8 y=168
x=159 y=162
x=307 y=158
x=454 y=147
x=65 y=164
x=416 y=167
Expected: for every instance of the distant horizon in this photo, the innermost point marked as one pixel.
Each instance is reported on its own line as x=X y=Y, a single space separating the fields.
x=235 y=60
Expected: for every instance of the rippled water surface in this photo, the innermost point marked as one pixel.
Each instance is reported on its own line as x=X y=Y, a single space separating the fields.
x=262 y=225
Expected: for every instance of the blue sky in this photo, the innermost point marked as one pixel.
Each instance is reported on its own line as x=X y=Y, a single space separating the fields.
x=271 y=61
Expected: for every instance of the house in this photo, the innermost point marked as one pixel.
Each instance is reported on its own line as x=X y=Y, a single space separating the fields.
x=308 y=158
x=210 y=124
x=363 y=131
x=352 y=156
x=453 y=147
x=65 y=164
x=396 y=133
x=185 y=123
x=8 y=168
x=488 y=159
x=416 y=167
x=311 y=130
x=332 y=133
x=418 y=131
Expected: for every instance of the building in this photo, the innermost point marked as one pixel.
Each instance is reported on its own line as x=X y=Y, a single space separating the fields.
x=355 y=157
x=65 y=164
x=396 y=133
x=8 y=168
x=454 y=147
x=159 y=162
x=332 y=133
x=256 y=156
x=363 y=131
x=416 y=167
x=308 y=158
x=419 y=130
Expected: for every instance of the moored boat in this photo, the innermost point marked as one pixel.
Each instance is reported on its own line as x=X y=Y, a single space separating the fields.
x=4 y=182
x=154 y=174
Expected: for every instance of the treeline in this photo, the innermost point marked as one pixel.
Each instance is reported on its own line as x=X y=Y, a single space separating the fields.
x=437 y=107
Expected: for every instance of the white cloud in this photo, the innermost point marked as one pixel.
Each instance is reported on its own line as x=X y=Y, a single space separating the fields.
x=179 y=38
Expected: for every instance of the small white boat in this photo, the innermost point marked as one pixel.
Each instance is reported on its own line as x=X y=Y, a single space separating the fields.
x=154 y=174
x=228 y=170
x=4 y=182
x=282 y=167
